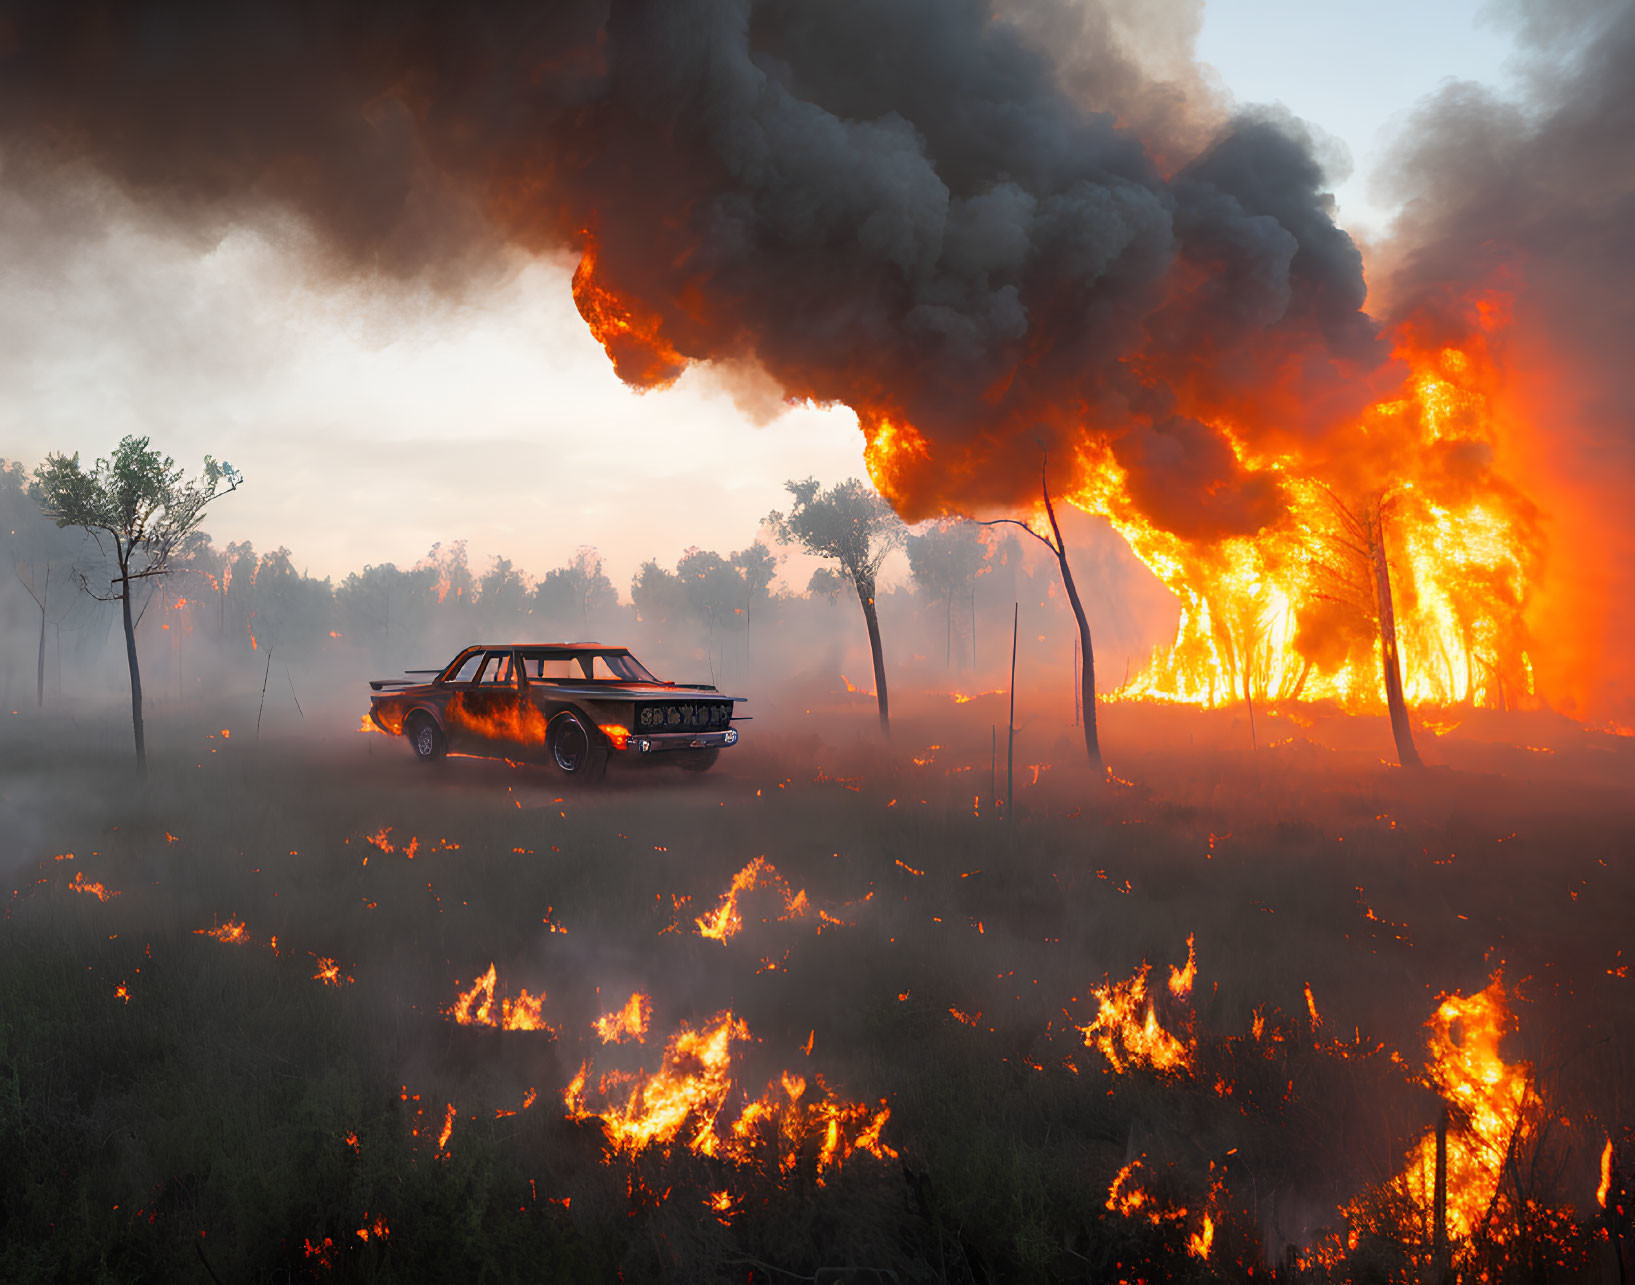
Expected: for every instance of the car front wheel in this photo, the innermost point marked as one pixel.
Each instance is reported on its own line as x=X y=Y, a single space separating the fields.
x=575 y=751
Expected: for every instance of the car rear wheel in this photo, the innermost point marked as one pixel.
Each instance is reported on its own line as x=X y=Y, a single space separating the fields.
x=698 y=760
x=575 y=751
x=425 y=738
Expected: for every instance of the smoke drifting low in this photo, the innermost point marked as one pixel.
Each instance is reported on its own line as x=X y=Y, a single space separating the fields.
x=904 y=208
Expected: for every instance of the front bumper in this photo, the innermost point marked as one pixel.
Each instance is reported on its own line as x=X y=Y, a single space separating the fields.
x=661 y=742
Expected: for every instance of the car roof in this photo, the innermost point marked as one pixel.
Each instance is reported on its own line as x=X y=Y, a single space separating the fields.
x=544 y=646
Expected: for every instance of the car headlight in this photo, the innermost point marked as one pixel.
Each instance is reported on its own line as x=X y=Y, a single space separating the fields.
x=731 y=737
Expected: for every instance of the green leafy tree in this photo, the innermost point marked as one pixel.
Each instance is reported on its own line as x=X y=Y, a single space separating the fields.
x=944 y=561
x=139 y=508
x=853 y=526
x=757 y=565
x=826 y=582
x=43 y=558
x=576 y=591
x=380 y=601
x=502 y=600
x=713 y=588
x=658 y=596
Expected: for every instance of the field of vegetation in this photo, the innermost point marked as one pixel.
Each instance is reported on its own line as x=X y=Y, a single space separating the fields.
x=854 y=1025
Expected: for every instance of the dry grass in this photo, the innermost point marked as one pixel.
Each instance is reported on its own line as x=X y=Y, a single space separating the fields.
x=218 y=1100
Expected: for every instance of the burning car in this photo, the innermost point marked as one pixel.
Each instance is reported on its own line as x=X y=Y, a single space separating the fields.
x=576 y=704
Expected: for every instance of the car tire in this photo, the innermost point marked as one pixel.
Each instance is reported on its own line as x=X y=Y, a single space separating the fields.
x=425 y=738
x=574 y=749
x=698 y=760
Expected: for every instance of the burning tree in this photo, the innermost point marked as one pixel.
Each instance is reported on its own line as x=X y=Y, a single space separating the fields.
x=852 y=525
x=141 y=504
x=1356 y=563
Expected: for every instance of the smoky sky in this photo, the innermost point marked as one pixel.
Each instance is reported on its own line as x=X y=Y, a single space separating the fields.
x=910 y=208
x=919 y=209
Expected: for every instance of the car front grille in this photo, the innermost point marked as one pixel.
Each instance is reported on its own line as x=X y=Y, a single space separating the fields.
x=683 y=716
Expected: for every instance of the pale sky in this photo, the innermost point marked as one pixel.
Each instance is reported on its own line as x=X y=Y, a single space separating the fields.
x=368 y=428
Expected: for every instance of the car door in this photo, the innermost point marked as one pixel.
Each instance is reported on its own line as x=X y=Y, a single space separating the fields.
x=487 y=715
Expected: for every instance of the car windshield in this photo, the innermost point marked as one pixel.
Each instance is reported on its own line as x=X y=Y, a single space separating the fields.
x=564 y=665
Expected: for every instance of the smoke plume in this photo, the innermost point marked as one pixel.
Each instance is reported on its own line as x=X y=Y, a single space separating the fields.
x=907 y=208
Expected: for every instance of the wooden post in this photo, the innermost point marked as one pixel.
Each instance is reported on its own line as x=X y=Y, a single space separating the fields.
x=1010 y=727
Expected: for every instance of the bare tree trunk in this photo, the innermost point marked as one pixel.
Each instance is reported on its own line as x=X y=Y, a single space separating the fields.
x=1076 y=714
x=1087 y=656
x=865 y=595
x=1401 y=730
x=39 y=674
x=1010 y=718
x=136 y=673
x=1249 y=700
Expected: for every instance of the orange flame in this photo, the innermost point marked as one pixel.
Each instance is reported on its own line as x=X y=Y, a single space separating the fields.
x=1490 y=1102
x=1181 y=979
x=688 y=1100
x=1284 y=614
x=80 y=884
x=1126 y=1030
x=1604 y=1188
x=633 y=339
x=475 y=1007
x=627 y=1023
x=726 y=919
x=521 y=722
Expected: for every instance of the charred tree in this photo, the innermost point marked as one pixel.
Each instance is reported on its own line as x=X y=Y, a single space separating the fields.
x=1087 y=656
x=1390 y=660
x=1362 y=567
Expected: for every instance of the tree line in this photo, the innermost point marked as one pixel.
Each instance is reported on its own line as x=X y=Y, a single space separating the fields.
x=127 y=532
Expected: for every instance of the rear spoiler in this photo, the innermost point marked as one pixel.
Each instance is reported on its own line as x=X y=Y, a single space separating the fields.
x=379 y=684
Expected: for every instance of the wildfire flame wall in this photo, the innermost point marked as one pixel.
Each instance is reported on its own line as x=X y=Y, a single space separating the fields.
x=998 y=237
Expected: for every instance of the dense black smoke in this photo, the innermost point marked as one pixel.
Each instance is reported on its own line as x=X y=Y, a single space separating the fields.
x=911 y=208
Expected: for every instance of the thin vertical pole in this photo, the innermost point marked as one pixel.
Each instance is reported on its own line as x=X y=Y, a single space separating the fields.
x=1010 y=727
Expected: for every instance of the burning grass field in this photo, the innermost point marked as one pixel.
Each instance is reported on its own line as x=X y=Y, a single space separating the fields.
x=300 y=1008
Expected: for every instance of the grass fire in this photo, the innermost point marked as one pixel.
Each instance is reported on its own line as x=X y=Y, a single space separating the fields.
x=917 y=642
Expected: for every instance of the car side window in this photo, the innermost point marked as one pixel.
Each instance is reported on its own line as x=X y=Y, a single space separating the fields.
x=496 y=671
x=467 y=672
x=546 y=669
x=600 y=669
